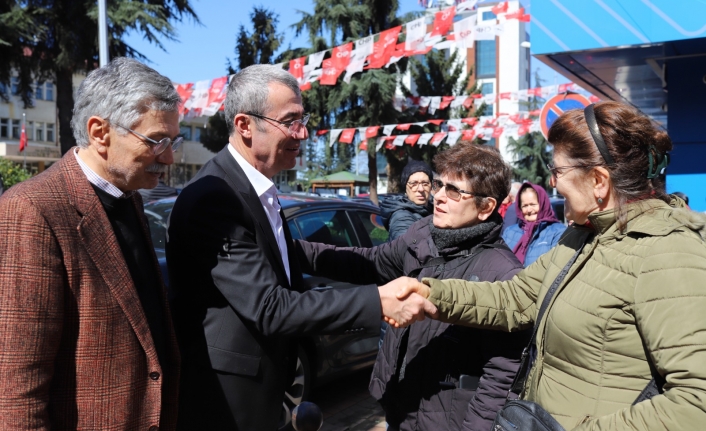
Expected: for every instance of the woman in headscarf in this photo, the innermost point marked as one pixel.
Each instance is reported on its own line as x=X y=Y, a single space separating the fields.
x=537 y=229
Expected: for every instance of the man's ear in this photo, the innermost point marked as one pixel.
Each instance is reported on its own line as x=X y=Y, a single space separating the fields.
x=487 y=208
x=98 y=134
x=242 y=124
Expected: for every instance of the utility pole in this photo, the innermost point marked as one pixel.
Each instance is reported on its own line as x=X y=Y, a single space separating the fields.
x=102 y=33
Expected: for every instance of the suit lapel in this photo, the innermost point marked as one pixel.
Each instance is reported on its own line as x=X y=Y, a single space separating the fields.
x=240 y=183
x=101 y=244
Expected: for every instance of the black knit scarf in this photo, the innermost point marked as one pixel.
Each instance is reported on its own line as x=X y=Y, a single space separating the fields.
x=451 y=240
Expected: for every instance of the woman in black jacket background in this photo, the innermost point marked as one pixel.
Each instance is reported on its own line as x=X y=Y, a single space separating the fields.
x=433 y=375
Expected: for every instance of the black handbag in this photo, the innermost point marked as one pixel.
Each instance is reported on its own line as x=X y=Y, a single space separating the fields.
x=521 y=415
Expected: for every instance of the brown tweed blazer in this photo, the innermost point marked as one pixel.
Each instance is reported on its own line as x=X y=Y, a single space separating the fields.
x=75 y=347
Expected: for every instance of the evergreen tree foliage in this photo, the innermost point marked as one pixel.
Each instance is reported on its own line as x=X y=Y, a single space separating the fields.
x=215 y=135
x=531 y=151
x=52 y=40
x=259 y=45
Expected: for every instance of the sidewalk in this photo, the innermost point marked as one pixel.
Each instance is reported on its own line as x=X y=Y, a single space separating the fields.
x=347 y=406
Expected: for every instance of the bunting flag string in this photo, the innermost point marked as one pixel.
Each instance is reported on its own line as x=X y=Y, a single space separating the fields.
x=372 y=52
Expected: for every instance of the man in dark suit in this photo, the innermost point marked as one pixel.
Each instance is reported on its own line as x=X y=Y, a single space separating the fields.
x=86 y=340
x=240 y=300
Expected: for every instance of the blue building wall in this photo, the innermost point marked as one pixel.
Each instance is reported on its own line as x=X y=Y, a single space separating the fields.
x=687 y=127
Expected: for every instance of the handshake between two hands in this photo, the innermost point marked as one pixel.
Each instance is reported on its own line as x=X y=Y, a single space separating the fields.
x=404 y=301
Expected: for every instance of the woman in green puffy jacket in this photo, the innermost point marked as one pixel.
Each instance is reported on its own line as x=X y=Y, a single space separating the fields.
x=631 y=306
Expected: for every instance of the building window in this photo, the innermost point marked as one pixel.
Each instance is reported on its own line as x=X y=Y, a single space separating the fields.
x=16 y=129
x=29 y=130
x=4 y=128
x=197 y=133
x=185 y=131
x=50 y=132
x=489 y=15
x=487 y=88
x=49 y=91
x=39 y=91
x=485 y=59
x=39 y=132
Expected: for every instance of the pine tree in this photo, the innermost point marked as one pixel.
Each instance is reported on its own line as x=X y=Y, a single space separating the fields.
x=259 y=45
x=52 y=40
x=531 y=151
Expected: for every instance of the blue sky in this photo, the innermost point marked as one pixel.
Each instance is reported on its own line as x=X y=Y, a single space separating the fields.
x=201 y=50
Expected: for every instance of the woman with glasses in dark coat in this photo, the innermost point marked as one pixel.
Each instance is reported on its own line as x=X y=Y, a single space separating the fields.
x=433 y=375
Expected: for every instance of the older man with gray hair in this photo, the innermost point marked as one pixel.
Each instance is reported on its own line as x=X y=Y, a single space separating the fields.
x=86 y=340
x=240 y=297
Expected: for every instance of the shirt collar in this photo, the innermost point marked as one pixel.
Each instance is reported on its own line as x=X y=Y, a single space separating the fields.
x=99 y=181
x=260 y=183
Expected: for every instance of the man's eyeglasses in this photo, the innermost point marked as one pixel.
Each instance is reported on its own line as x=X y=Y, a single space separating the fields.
x=414 y=184
x=294 y=126
x=560 y=170
x=158 y=147
x=452 y=191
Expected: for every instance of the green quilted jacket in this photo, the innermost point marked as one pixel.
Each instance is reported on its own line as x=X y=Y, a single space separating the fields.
x=630 y=299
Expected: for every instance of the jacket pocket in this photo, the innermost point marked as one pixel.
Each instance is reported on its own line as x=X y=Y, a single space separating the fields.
x=232 y=362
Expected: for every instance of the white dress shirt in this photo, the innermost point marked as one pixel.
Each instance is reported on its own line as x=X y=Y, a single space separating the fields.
x=267 y=193
x=99 y=181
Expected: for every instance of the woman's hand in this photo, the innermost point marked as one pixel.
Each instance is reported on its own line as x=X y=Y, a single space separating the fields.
x=405 y=289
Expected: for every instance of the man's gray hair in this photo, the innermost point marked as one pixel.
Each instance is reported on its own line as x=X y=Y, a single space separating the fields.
x=121 y=92
x=248 y=90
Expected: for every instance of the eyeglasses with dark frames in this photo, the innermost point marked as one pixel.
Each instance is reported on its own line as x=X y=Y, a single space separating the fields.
x=294 y=126
x=557 y=171
x=158 y=147
x=452 y=191
x=414 y=184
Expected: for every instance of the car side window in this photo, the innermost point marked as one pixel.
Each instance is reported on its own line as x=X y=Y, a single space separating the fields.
x=294 y=230
x=328 y=227
x=372 y=223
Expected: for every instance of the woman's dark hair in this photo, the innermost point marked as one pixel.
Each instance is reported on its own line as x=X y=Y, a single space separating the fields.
x=630 y=136
x=482 y=166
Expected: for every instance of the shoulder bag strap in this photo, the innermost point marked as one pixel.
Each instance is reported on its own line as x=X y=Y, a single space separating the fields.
x=518 y=383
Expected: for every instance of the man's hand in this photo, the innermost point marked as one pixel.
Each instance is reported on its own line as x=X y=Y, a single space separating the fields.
x=403 y=311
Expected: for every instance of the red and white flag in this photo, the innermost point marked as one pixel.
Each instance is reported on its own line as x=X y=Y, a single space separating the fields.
x=463 y=32
x=23 y=138
x=443 y=21
x=347 y=136
x=500 y=8
x=296 y=68
x=341 y=56
x=216 y=95
x=330 y=72
x=415 y=31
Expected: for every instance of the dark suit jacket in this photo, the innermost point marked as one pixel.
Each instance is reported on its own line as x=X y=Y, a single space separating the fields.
x=75 y=347
x=235 y=312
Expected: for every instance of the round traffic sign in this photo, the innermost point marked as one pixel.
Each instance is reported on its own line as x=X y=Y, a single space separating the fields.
x=556 y=106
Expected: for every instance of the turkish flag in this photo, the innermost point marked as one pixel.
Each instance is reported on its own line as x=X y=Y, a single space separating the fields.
x=411 y=139
x=341 y=56
x=347 y=136
x=296 y=67
x=372 y=131
x=23 y=138
x=499 y=8
x=443 y=20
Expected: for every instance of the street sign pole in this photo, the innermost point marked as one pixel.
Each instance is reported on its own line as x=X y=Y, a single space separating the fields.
x=102 y=33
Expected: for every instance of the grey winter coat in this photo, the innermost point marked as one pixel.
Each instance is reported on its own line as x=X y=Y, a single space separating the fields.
x=416 y=375
x=398 y=214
